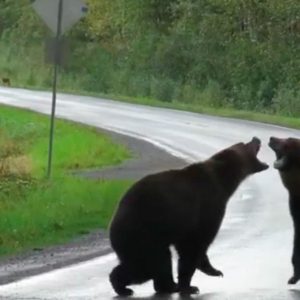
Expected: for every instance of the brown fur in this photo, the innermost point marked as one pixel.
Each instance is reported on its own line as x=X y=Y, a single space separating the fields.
x=184 y=208
x=289 y=150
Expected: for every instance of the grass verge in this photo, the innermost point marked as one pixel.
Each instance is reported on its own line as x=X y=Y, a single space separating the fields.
x=35 y=212
x=46 y=213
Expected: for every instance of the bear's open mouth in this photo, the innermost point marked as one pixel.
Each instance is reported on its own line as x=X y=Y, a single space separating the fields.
x=255 y=146
x=281 y=159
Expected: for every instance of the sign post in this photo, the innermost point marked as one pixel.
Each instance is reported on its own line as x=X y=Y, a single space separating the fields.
x=59 y=15
x=56 y=59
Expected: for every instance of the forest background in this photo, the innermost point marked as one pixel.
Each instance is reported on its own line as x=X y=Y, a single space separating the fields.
x=241 y=54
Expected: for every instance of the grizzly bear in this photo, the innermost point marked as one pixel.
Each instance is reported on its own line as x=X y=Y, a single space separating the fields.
x=183 y=208
x=287 y=162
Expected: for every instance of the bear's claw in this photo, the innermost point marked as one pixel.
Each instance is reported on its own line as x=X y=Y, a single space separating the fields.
x=218 y=274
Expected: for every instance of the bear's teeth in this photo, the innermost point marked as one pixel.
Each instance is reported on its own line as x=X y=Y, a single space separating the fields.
x=280 y=163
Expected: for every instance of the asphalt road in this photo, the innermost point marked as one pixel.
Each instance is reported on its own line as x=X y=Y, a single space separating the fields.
x=253 y=248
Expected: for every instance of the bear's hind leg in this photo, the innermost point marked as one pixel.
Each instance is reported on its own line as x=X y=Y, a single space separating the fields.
x=127 y=274
x=296 y=258
x=163 y=278
x=188 y=256
x=119 y=279
x=296 y=262
x=295 y=212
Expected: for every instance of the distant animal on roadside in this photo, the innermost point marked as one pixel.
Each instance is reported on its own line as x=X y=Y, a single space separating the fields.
x=287 y=162
x=184 y=208
x=5 y=81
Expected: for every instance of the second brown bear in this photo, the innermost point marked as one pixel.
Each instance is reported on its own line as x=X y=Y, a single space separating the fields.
x=287 y=162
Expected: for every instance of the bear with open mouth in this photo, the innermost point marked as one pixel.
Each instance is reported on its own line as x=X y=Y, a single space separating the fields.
x=183 y=208
x=287 y=162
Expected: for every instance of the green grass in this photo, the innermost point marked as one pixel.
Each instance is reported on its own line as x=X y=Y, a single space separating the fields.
x=36 y=212
x=49 y=213
x=75 y=146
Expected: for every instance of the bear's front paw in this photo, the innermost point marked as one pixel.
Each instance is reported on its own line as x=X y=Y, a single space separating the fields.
x=212 y=272
x=294 y=279
x=189 y=290
x=217 y=273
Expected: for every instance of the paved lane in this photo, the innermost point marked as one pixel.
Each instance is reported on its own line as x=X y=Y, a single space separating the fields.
x=253 y=248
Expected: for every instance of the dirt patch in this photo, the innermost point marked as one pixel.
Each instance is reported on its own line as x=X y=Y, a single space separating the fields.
x=18 y=165
x=146 y=159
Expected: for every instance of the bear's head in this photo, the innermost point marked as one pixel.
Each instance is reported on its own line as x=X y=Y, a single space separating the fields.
x=287 y=153
x=244 y=157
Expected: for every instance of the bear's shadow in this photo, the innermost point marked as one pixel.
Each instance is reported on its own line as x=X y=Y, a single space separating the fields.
x=292 y=294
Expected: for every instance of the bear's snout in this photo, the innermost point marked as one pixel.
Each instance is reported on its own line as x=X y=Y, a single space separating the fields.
x=275 y=143
x=256 y=144
x=256 y=140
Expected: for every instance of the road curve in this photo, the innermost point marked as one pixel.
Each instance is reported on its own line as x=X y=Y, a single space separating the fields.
x=253 y=248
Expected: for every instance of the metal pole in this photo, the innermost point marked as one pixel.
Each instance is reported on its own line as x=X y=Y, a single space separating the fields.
x=57 y=54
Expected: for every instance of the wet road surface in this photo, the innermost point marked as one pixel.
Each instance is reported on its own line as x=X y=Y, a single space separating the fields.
x=254 y=246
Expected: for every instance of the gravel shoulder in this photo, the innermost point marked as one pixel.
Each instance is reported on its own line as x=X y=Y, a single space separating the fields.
x=146 y=159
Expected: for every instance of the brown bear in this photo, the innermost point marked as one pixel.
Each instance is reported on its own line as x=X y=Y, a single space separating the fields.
x=287 y=162
x=183 y=208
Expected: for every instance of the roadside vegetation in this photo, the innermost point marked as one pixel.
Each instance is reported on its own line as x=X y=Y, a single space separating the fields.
x=237 y=55
x=35 y=212
x=230 y=58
